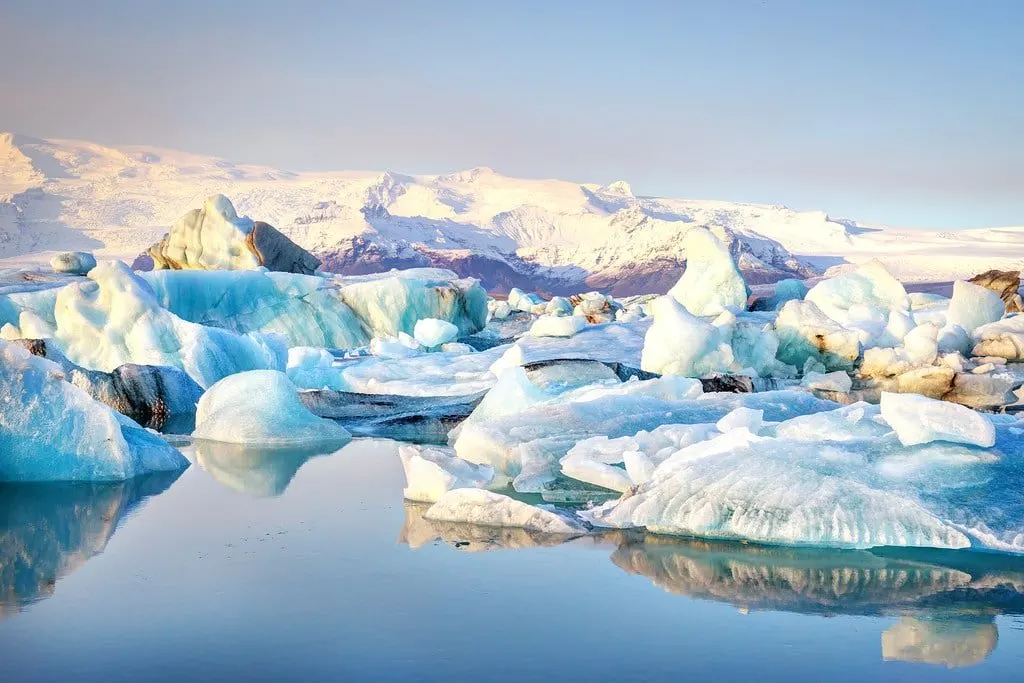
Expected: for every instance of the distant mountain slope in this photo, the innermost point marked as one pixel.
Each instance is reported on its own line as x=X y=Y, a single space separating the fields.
x=547 y=234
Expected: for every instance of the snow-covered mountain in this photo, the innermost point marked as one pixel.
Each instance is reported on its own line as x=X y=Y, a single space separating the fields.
x=545 y=234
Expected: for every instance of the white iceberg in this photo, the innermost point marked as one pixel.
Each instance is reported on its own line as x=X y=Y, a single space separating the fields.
x=919 y=420
x=74 y=262
x=862 y=299
x=51 y=430
x=558 y=326
x=262 y=407
x=679 y=343
x=431 y=472
x=973 y=306
x=805 y=332
x=711 y=282
x=432 y=333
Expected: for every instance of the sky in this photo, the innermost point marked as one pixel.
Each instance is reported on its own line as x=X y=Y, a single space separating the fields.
x=903 y=112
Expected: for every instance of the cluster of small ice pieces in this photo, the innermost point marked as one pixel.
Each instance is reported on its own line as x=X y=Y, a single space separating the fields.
x=848 y=413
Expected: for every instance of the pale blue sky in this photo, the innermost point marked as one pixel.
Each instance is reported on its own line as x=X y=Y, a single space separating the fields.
x=901 y=111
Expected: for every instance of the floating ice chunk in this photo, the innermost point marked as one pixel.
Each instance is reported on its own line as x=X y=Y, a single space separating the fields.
x=919 y=420
x=742 y=418
x=477 y=506
x=426 y=374
x=854 y=299
x=457 y=347
x=114 y=318
x=432 y=472
x=398 y=347
x=528 y=303
x=597 y=473
x=973 y=306
x=679 y=343
x=74 y=262
x=51 y=430
x=1004 y=338
x=9 y=332
x=855 y=421
x=498 y=310
x=833 y=381
x=431 y=332
x=262 y=407
x=805 y=332
x=564 y=326
x=596 y=307
x=559 y=305
x=613 y=343
x=741 y=486
x=711 y=282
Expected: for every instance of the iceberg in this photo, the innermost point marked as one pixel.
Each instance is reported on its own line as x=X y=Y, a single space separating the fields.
x=840 y=478
x=522 y=431
x=155 y=396
x=973 y=306
x=559 y=305
x=741 y=486
x=679 y=343
x=51 y=430
x=445 y=373
x=1002 y=339
x=432 y=333
x=431 y=472
x=486 y=508
x=306 y=310
x=711 y=282
x=262 y=407
x=73 y=262
x=560 y=326
x=917 y=420
x=390 y=303
x=614 y=343
x=114 y=318
x=805 y=332
x=862 y=299
x=215 y=237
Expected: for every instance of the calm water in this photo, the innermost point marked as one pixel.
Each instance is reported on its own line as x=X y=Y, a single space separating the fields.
x=243 y=572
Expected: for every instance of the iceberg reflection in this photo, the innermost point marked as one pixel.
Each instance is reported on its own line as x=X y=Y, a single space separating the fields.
x=946 y=602
x=48 y=530
x=259 y=472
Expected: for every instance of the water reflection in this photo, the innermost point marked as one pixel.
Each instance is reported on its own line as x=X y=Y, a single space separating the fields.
x=49 y=530
x=259 y=472
x=946 y=602
x=418 y=532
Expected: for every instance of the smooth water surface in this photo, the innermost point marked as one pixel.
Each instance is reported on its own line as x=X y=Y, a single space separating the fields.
x=262 y=566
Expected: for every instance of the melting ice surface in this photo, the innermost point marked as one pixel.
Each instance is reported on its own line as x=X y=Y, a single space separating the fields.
x=271 y=564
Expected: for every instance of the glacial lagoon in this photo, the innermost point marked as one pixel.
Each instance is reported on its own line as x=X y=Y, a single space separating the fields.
x=290 y=565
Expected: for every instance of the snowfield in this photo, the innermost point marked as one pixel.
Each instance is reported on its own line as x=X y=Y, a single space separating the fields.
x=548 y=235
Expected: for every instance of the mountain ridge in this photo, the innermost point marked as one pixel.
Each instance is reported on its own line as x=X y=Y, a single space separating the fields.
x=552 y=235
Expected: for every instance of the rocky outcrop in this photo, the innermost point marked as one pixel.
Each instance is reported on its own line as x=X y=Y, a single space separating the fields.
x=155 y=396
x=1005 y=283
